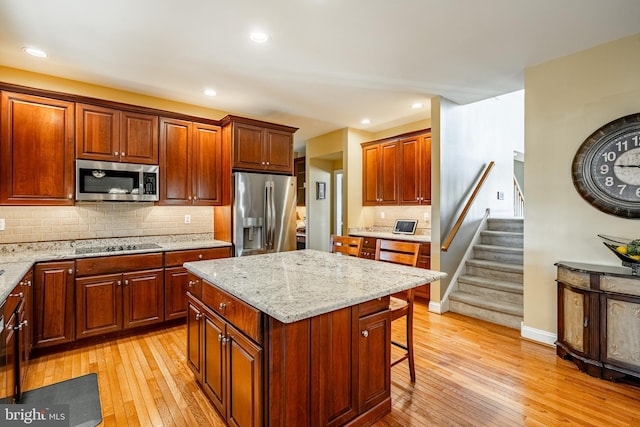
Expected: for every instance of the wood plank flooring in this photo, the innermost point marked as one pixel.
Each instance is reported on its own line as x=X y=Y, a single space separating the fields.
x=469 y=373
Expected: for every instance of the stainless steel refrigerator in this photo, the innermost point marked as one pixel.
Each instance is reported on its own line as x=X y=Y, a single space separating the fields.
x=264 y=213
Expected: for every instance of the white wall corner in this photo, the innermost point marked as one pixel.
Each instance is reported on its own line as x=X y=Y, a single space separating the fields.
x=543 y=337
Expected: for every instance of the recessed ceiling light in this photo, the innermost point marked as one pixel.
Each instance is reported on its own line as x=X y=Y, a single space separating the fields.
x=210 y=92
x=365 y=121
x=38 y=53
x=416 y=105
x=258 y=37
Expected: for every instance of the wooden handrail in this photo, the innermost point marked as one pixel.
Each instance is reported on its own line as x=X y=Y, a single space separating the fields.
x=463 y=214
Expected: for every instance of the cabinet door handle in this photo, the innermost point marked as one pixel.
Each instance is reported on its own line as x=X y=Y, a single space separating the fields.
x=191 y=283
x=586 y=322
x=267 y=163
x=122 y=154
x=365 y=333
x=70 y=271
x=119 y=282
x=198 y=316
x=19 y=295
x=115 y=154
x=222 y=306
x=199 y=256
x=69 y=196
x=126 y=282
x=189 y=198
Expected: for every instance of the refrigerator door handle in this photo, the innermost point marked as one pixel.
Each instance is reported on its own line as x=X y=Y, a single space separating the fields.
x=272 y=203
x=270 y=216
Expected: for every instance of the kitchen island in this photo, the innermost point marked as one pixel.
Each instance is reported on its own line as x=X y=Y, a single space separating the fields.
x=295 y=338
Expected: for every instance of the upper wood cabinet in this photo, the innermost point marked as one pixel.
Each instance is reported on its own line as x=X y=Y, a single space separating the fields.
x=415 y=170
x=109 y=134
x=397 y=170
x=380 y=163
x=260 y=146
x=192 y=163
x=36 y=150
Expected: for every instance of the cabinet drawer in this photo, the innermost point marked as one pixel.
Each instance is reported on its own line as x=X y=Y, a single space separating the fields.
x=373 y=306
x=118 y=264
x=177 y=258
x=240 y=314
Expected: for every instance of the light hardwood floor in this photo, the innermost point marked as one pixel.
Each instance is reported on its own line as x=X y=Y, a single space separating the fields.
x=469 y=373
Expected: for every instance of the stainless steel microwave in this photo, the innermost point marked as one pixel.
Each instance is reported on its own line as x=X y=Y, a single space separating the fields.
x=122 y=182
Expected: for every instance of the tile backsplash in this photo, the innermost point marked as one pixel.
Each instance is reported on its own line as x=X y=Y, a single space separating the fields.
x=384 y=217
x=101 y=220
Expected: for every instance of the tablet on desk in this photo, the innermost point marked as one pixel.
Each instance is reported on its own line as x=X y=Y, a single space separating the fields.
x=405 y=226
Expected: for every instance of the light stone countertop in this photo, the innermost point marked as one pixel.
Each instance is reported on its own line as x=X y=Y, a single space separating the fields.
x=296 y=285
x=17 y=259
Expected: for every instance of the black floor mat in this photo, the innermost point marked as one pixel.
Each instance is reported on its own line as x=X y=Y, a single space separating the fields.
x=81 y=394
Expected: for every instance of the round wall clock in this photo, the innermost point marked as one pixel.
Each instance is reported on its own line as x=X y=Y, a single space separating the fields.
x=606 y=168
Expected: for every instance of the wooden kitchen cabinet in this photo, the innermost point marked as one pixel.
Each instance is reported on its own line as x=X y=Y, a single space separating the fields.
x=191 y=164
x=260 y=146
x=53 y=303
x=108 y=302
x=226 y=363
x=178 y=281
x=374 y=358
x=36 y=150
x=380 y=163
x=415 y=170
x=109 y=134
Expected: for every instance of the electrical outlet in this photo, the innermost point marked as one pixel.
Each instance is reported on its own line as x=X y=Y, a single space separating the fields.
x=187 y=219
x=500 y=195
x=382 y=215
x=425 y=216
x=1 y=224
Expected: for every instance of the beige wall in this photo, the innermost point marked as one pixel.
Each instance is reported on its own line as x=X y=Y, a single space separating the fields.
x=565 y=101
x=42 y=81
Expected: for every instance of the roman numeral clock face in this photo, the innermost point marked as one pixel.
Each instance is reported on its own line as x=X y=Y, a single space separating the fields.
x=606 y=168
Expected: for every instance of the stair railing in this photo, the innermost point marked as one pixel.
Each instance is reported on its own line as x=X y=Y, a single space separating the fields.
x=467 y=206
x=518 y=199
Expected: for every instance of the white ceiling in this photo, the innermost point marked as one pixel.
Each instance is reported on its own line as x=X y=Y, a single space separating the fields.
x=328 y=63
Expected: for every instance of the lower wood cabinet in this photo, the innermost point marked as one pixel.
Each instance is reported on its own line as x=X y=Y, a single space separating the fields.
x=53 y=312
x=598 y=321
x=226 y=363
x=112 y=302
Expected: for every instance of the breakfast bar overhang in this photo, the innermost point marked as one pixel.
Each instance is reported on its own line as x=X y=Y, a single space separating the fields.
x=295 y=338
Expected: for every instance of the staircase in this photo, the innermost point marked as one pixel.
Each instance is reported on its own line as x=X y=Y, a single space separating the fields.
x=491 y=288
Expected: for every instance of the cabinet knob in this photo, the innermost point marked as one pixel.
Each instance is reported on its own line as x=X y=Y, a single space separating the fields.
x=115 y=154
x=69 y=196
x=195 y=197
x=586 y=322
x=126 y=282
x=198 y=316
x=191 y=283
x=222 y=306
x=365 y=333
x=70 y=271
x=267 y=163
x=189 y=197
x=119 y=282
x=122 y=154
x=199 y=256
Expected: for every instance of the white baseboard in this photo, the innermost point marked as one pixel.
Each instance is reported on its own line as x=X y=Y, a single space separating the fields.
x=435 y=307
x=538 y=335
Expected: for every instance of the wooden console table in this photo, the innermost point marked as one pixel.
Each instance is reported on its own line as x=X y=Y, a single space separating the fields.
x=599 y=319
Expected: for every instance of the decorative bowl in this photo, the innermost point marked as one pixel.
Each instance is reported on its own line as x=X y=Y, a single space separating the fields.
x=613 y=243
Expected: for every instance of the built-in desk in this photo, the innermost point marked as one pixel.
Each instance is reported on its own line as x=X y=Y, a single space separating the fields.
x=296 y=338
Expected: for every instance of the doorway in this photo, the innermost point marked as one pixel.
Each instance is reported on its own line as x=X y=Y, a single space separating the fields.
x=337 y=202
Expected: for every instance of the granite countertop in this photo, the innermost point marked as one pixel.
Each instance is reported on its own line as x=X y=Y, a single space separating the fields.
x=422 y=238
x=296 y=285
x=17 y=259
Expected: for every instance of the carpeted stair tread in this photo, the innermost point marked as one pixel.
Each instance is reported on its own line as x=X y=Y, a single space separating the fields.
x=493 y=265
x=499 y=285
x=475 y=300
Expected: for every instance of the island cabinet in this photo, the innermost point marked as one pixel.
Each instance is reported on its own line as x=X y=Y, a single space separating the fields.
x=178 y=281
x=227 y=360
x=191 y=164
x=598 y=322
x=118 y=292
x=36 y=150
x=328 y=370
x=109 y=134
x=259 y=146
x=53 y=303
